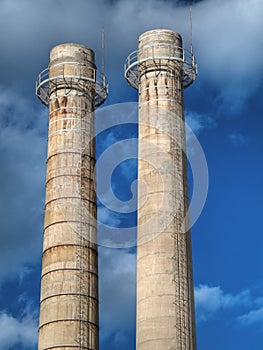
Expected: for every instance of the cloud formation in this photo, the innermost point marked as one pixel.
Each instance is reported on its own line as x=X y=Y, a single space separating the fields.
x=22 y=150
x=18 y=331
x=227 y=39
x=117 y=297
x=198 y=122
x=237 y=138
x=210 y=300
x=254 y=316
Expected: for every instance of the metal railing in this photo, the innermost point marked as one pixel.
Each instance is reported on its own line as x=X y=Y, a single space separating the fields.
x=70 y=75
x=151 y=53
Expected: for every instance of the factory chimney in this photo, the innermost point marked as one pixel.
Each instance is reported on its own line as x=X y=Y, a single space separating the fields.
x=72 y=88
x=161 y=69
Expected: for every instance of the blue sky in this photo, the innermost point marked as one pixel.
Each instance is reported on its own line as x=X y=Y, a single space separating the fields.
x=223 y=108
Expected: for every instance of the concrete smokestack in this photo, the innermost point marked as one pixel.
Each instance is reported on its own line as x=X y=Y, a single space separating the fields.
x=160 y=70
x=69 y=283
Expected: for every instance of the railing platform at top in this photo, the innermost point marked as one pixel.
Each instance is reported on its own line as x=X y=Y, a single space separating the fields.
x=151 y=53
x=70 y=74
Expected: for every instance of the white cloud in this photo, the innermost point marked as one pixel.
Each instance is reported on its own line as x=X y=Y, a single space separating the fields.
x=197 y=123
x=252 y=317
x=237 y=138
x=210 y=300
x=22 y=153
x=117 y=295
x=227 y=39
x=107 y=217
x=15 y=331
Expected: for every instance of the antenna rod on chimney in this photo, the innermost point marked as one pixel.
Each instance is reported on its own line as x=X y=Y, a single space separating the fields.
x=102 y=51
x=191 y=30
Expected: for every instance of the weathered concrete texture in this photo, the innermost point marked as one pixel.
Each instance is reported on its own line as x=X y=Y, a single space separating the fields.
x=69 y=285
x=165 y=305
